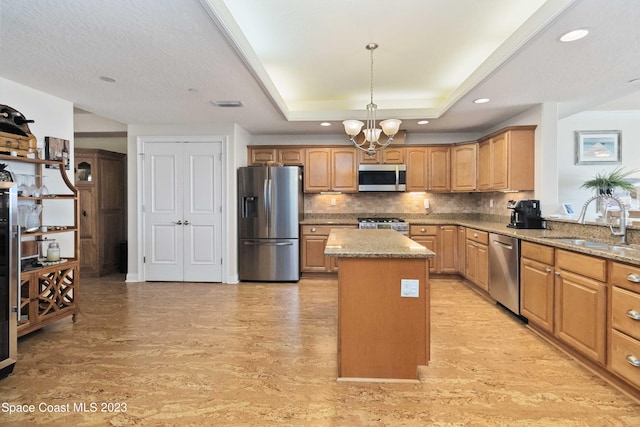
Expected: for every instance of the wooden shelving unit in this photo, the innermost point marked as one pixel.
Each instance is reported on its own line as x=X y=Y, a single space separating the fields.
x=50 y=292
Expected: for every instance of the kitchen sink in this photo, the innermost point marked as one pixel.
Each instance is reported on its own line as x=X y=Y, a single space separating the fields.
x=596 y=245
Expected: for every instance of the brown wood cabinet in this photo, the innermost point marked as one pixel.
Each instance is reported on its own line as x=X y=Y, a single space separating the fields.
x=537 y=284
x=288 y=156
x=506 y=160
x=461 y=250
x=391 y=155
x=313 y=241
x=429 y=169
x=624 y=345
x=477 y=258
x=427 y=236
x=580 y=303
x=330 y=169
x=51 y=292
x=463 y=167
x=101 y=183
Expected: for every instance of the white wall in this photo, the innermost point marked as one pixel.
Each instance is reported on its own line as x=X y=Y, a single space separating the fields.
x=234 y=142
x=53 y=116
x=116 y=144
x=571 y=176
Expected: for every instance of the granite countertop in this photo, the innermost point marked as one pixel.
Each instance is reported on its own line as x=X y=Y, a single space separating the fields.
x=562 y=239
x=355 y=243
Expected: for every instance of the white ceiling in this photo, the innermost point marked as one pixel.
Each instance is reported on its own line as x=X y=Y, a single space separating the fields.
x=300 y=62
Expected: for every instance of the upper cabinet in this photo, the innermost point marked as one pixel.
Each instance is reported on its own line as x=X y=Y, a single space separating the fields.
x=389 y=156
x=394 y=154
x=288 y=156
x=330 y=169
x=506 y=160
x=428 y=168
x=463 y=167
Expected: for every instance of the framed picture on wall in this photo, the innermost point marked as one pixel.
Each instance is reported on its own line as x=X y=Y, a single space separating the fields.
x=56 y=149
x=598 y=147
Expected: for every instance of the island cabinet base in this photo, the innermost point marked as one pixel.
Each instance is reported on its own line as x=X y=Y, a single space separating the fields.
x=382 y=334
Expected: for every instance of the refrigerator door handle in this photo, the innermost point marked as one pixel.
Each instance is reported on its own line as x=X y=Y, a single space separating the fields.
x=259 y=243
x=269 y=203
x=19 y=293
x=265 y=203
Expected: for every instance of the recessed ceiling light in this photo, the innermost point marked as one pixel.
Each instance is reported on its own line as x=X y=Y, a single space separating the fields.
x=227 y=104
x=574 y=35
x=423 y=122
x=107 y=79
x=481 y=100
x=325 y=124
x=193 y=90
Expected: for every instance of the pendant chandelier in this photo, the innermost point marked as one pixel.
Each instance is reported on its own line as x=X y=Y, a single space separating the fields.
x=371 y=141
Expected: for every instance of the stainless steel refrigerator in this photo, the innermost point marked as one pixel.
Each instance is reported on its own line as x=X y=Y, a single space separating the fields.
x=270 y=209
x=9 y=277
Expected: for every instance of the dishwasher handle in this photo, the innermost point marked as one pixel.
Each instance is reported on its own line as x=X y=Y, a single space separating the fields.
x=504 y=245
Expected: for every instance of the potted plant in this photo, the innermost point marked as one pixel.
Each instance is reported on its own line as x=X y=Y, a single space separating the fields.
x=606 y=182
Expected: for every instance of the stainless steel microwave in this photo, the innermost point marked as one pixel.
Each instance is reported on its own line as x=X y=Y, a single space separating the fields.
x=382 y=178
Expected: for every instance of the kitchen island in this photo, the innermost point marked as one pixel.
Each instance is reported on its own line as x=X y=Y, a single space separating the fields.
x=383 y=304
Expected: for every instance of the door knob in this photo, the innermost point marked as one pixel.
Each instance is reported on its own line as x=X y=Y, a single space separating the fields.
x=186 y=222
x=177 y=222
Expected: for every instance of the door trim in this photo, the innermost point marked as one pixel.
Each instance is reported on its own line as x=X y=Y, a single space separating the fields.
x=140 y=144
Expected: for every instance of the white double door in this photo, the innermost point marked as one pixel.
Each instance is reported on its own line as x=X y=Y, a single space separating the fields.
x=183 y=211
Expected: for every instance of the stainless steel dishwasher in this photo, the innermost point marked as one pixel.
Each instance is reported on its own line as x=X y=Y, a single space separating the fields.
x=504 y=271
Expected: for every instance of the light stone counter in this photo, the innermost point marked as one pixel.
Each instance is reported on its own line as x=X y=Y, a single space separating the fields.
x=356 y=243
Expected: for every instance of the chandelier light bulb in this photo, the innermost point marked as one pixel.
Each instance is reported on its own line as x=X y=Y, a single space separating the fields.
x=371 y=141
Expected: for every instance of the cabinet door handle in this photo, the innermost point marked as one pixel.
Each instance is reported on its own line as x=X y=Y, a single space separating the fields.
x=557 y=273
x=84 y=213
x=633 y=314
x=633 y=360
x=313 y=230
x=423 y=230
x=548 y=270
x=634 y=277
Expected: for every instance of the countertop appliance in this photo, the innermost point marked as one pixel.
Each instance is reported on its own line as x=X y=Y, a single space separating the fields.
x=396 y=224
x=382 y=177
x=504 y=271
x=526 y=214
x=270 y=208
x=9 y=277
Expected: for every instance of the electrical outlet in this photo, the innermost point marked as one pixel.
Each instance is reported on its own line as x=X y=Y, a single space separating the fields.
x=333 y=201
x=426 y=203
x=410 y=288
x=490 y=203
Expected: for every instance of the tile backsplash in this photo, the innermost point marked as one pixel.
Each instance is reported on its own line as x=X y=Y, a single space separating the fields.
x=439 y=203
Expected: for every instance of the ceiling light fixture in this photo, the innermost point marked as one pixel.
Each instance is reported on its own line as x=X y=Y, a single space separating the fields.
x=574 y=35
x=423 y=122
x=481 y=100
x=325 y=124
x=370 y=144
x=227 y=104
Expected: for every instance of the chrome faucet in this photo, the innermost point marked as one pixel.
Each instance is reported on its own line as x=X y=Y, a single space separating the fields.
x=622 y=233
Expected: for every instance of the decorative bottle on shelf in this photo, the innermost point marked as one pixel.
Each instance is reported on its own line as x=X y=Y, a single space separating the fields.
x=53 y=252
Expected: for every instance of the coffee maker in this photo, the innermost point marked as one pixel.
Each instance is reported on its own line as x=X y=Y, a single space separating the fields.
x=526 y=214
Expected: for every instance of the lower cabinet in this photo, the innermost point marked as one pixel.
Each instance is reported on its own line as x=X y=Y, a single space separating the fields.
x=477 y=258
x=580 y=296
x=314 y=240
x=48 y=294
x=441 y=239
x=624 y=346
x=537 y=284
x=461 y=249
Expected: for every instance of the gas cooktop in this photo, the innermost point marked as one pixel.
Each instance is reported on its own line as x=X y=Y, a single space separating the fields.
x=380 y=219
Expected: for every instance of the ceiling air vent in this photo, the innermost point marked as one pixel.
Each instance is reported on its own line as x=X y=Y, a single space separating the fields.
x=227 y=104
